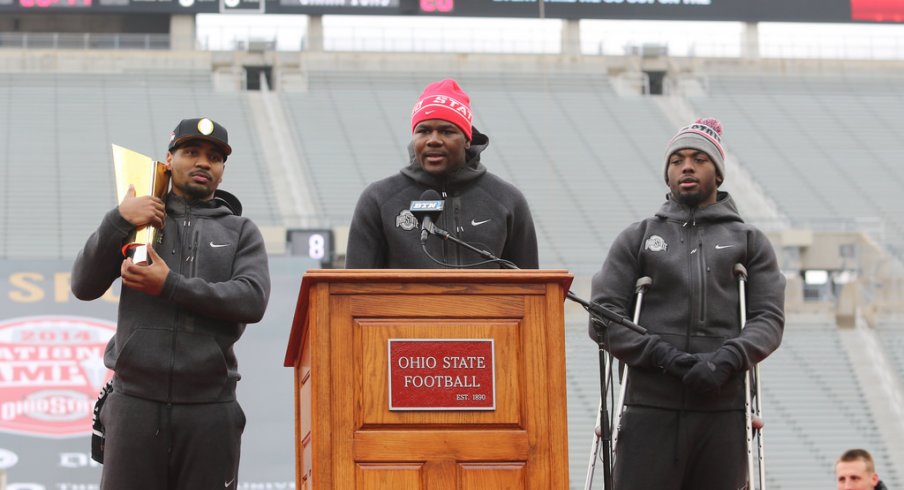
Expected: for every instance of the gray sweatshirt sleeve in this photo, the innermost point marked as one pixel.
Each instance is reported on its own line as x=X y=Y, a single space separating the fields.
x=765 y=303
x=243 y=298
x=97 y=264
x=613 y=288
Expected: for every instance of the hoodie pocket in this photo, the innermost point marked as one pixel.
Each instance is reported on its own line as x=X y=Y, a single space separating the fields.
x=142 y=364
x=199 y=369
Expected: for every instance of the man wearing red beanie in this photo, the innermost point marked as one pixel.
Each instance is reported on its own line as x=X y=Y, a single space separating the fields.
x=480 y=208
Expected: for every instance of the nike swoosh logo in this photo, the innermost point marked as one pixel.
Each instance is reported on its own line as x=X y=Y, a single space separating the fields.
x=720 y=247
x=218 y=245
x=428 y=112
x=230 y=482
x=478 y=223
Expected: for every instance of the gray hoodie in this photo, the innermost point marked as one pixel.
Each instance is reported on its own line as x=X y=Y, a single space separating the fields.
x=480 y=208
x=178 y=347
x=693 y=302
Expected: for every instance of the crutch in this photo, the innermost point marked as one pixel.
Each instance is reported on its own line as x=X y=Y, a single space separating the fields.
x=639 y=287
x=753 y=425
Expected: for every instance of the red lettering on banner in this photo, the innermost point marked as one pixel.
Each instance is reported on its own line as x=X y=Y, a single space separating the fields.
x=877 y=10
x=51 y=369
x=443 y=6
x=442 y=374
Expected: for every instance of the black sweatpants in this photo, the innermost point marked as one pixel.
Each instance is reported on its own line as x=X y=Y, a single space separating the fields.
x=154 y=446
x=674 y=450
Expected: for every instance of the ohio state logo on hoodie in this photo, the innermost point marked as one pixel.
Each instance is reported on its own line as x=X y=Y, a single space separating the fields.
x=406 y=220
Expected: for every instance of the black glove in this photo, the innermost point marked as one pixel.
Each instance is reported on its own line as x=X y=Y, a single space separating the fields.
x=673 y=361
x=681 y=364
x=713 y=370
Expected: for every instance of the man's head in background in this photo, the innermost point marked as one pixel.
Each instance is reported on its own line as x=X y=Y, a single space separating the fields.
x=855 y=470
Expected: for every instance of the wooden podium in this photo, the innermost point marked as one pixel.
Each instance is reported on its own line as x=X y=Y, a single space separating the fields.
x=430 y=379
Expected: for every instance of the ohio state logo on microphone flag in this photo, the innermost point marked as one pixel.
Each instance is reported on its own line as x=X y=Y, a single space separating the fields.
x=51 y=369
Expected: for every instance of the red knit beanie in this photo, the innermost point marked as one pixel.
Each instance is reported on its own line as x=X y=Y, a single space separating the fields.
x=444 y=100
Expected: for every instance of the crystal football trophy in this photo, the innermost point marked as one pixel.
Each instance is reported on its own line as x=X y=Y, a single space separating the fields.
x=149 y=177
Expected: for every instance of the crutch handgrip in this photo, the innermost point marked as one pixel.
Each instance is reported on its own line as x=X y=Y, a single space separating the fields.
x=757 y=422
x=740 y=271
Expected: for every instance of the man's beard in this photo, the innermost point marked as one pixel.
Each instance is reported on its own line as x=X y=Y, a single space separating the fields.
x=195 y=193
x=691 y=200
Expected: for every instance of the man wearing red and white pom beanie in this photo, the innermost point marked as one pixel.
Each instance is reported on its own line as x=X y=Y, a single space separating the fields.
x=480 y=208
x=684 y=422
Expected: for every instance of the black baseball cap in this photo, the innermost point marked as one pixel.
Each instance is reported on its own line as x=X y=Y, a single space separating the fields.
x=200 y=129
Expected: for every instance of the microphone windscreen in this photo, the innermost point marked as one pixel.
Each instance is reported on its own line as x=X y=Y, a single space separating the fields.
x=429 y=195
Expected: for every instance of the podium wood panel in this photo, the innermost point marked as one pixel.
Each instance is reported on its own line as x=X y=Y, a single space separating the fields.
x=347 y=438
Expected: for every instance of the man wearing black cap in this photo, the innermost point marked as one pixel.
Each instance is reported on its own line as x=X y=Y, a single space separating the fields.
x=172 y=420
x=684 y=424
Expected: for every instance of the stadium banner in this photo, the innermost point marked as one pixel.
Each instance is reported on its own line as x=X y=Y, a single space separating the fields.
x=724 y=10
x=712 y=10
x=51 y=370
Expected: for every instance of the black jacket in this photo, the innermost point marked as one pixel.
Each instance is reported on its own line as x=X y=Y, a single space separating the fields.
x=693 y=302
x=480 y=208
x=178 y=347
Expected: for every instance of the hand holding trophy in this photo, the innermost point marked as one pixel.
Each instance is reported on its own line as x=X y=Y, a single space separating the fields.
x=141 y=184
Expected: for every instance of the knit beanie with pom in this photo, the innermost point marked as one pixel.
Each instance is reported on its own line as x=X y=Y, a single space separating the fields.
x=705 y=135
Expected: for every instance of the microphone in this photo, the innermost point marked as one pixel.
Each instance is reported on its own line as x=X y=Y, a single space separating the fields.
x=605 y=313
x=430 y=205
x=427 y=208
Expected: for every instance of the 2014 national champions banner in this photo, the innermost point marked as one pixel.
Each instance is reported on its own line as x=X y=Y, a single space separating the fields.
x=51 y=370
x=715 y=10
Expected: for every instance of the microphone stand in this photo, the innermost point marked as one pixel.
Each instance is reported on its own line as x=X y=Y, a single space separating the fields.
x=601 y=316
x=445 y=235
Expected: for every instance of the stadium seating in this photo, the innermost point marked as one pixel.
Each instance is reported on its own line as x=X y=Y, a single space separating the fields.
x=891 y=331
x=588 y=159
x=826 y=148
x=58 y=129
x=592 y=174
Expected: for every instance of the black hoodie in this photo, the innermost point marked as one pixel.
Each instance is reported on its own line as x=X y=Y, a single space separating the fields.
x=480 y=208
x=693 y=303
x=178 y=347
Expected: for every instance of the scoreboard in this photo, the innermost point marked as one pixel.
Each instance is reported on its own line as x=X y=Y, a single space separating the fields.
x=714 y=10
